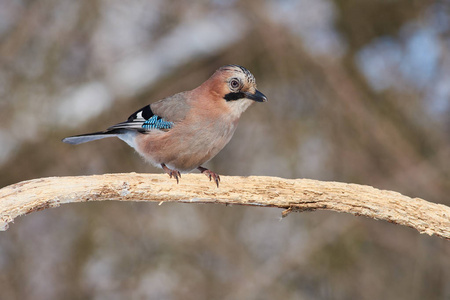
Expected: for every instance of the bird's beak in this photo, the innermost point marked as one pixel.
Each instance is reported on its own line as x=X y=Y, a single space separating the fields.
x=257 y=96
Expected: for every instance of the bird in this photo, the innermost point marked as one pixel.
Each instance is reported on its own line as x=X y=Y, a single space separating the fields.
x=181 y=132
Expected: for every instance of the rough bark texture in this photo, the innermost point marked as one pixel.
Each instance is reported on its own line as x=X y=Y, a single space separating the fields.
x=293 y=195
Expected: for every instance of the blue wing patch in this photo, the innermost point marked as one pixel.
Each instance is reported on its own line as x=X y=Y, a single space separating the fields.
x=144 y=120
x=156 y=122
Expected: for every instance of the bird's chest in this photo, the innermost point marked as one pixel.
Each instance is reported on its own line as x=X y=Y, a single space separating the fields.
x=194 y=142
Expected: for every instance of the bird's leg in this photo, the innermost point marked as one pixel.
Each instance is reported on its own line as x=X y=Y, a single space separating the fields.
x=210 y=174
x=171 y=172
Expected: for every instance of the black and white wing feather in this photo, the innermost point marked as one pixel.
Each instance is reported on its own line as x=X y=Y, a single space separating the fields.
x=143 y=120
x=161 y=115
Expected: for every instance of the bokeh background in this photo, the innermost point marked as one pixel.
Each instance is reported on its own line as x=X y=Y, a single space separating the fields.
x=359 y=91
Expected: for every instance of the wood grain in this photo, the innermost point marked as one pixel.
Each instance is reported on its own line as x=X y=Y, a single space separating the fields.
x=290 y=194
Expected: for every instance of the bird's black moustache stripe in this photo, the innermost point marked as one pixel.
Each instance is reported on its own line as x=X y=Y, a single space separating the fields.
x=234 y=96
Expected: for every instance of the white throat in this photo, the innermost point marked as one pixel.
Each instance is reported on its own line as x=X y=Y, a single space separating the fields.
x=237 y=107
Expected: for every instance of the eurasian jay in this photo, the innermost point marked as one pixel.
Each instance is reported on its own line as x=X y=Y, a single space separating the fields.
x=181 y=132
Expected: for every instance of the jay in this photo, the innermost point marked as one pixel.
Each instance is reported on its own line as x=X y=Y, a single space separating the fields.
x=181 y=132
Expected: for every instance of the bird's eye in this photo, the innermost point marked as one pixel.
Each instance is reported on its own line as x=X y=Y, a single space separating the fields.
x=235 y=84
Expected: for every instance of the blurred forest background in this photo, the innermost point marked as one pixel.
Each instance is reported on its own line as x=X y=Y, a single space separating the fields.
x=359 y=91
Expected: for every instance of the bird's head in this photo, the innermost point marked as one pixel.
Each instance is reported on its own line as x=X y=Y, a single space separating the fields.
x=235 y=87
x=238 y=84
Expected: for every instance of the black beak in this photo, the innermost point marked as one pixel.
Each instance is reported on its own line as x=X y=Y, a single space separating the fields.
x=257 y=96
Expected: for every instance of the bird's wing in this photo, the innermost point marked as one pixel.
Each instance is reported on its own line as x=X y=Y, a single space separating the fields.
x=173 y=109
x=160 y=115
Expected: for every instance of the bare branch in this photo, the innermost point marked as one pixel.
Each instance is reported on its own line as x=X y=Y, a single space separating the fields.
x=293 y=195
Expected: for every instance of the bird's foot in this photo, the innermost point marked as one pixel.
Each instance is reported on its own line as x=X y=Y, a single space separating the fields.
x=210 y=174
x=171 y=172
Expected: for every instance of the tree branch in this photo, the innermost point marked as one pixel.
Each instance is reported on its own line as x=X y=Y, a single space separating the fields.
x=293 y=195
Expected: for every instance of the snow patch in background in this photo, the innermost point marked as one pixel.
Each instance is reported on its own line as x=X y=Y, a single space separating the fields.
x=195 y=38
x=82 y=104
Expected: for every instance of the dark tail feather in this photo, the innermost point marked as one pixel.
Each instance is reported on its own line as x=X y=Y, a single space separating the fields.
x=84 y=138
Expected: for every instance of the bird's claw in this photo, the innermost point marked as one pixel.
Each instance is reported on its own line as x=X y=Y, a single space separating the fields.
x=211 y=175
x=172 y=173
x=175 y=174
